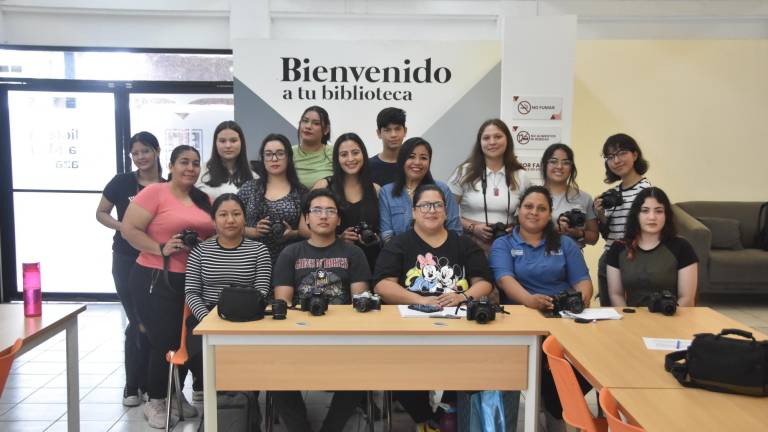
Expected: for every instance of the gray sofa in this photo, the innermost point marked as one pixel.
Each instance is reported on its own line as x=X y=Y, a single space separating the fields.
x=723 y=236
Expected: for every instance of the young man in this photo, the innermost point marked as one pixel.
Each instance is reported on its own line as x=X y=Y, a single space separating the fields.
x=390 y=127
x=337 y=269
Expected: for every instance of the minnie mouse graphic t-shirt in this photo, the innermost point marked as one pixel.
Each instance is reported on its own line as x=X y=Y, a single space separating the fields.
x=428 y=270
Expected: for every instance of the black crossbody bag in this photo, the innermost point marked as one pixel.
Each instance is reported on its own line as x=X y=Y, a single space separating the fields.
x=722 y=364
x=240 y=304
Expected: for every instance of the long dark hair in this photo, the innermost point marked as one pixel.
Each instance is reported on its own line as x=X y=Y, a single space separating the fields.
x=364 y=176
x=618 y=142
x=149 y=140
x=571 y=181
x=198 y=197
x=476 y=160
x=405 y=152
x=325 y=122
x=632 y=233
x=218 y=174
x=551 y=236
x=290 y=172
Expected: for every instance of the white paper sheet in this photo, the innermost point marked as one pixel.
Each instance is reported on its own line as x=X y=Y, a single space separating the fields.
x=594 y=314
x=449 y=311
x=661 y=344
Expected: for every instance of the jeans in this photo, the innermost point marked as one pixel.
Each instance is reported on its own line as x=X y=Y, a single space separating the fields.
x=136 y=348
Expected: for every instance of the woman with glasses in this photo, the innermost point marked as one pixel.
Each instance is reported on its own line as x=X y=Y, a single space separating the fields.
x=488 y=184
x=227 y=169
x=145 y=153
x=573 y=210
x=429 y=265
x=273 y=201
x=358 y=196
x=623 y=162
x=395 y=204
x=312 y=156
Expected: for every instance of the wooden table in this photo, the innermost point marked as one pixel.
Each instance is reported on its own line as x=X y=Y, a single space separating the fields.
x=685 y=409
x=613 y=354
x=36 y=330
x=379 y=350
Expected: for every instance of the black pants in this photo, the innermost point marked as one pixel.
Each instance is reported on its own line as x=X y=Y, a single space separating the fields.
x=602 y=281
x=136 y=343
x=416 y=404
x=293 y=412
x=160 y=307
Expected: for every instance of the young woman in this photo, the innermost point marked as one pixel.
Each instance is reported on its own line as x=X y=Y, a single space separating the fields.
x=358 y=196
x=558 y=169
x=228 y=168
x=430 y=265
x=273 y=201
x=395 y=205
x=145 y=152
x=536 y=263
x=226 y=259
x=652 y=257
x=312 y=156
x=488 y=184
x=623 y=161
x=153 y=224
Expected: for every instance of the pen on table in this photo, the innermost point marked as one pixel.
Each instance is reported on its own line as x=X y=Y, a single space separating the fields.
x=445 y=316
x=677 y=344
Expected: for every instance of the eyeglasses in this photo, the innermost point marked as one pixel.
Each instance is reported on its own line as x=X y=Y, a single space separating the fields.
x=328 y=211
x=278 y=155
x=563 y=162
x=427 y=206
x=613 y=156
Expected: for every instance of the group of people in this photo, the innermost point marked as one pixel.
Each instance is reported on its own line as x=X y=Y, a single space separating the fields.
x=382 y=224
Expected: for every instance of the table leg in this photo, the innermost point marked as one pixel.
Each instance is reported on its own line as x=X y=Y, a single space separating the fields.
x=209 y=388
x=533 y=393
x=73 y=377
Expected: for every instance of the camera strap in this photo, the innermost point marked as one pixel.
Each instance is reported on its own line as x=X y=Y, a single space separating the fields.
x=484 y=186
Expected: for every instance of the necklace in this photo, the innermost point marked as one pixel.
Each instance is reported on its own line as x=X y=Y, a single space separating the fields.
x=497 y=182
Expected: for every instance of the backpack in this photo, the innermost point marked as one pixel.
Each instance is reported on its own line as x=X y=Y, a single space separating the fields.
x=762 y=227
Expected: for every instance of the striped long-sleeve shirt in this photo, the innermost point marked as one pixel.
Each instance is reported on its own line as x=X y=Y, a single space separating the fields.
x=617 y=216
x=212 y=267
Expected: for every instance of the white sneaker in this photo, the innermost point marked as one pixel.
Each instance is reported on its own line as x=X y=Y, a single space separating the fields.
x=197 y=396
x=131 y=400
x=155 y=412
x=187 y=408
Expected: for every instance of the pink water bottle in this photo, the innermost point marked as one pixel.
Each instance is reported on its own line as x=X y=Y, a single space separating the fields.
x=33 y=295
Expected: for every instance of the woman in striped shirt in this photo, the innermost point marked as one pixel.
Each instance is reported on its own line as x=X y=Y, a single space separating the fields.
x=226 y=259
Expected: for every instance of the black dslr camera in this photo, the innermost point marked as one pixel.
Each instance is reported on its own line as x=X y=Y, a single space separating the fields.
x=315 y=303
x=482 y=310
x=569 y=300
x=189 y=238
x=499 y=229
x=612 y=198
x=576 y=218
x=366 y=233
x=366 y=301
x=662 y=302
x=277 y=229
x=279 y=309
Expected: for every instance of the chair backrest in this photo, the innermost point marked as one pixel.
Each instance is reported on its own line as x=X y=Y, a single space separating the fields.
x=611 y=410
x=6 y=360
x=575 y=409
x=180 y=356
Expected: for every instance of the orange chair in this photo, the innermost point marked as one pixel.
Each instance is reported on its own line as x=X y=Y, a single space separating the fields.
x=175 y=359
x=575 y=410
x=611 y=409
x=6 y=360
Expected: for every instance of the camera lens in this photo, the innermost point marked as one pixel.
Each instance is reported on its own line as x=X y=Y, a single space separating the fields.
x=668 y=309
x=482 y=317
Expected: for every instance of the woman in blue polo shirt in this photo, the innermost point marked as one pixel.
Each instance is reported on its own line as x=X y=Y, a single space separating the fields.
x=535 y=263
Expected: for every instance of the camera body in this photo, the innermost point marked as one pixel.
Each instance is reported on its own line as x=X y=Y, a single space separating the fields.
x=189 y=237
x=315 y=303
x=663 y=302
x=481 y=310
x=279 y=309
x=612 y=198
x=499 y=229
x=366 y=301
x=569 y=300
x=277 y=229
x=576 y=218
x=366 y=233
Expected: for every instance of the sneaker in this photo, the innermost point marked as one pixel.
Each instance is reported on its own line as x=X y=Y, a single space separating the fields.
x=187 y=408
x=155 y=412
x=197 y=396
x=131 y=398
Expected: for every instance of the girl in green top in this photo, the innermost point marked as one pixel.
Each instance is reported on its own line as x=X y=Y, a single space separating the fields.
x=312 y=157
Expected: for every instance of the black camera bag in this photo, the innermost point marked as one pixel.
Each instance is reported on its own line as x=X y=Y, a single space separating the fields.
x=238 y=303
x=722 y=364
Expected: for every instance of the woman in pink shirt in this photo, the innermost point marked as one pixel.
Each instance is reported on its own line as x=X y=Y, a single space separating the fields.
x=153 y=224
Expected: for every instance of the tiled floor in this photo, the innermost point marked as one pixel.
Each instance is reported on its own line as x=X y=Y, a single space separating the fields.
x=35 y=395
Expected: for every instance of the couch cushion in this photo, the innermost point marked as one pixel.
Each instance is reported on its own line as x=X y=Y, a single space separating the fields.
x=726 y=233
x=743 y=266
x=744 y=212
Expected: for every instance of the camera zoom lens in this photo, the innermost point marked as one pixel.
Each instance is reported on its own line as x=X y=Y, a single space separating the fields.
x=482 y=317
